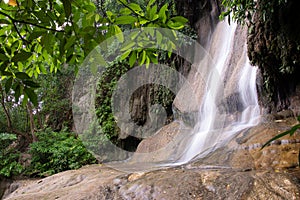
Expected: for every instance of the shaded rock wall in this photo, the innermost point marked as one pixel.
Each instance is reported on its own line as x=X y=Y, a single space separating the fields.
x=274 y=46
x=203 y=15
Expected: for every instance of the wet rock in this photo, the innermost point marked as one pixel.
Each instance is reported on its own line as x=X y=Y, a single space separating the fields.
x=239 y=170
x=173 y=183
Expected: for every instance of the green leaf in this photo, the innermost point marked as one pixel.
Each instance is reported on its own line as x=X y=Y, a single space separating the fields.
x=151 y=2
x=159 y=37
x=175 y=25
x=22 y=56
x=110 y=16
x=36 y=34
x=8 y=84
x=119 y=33
x=25 y=100
x=22 y=75
x=162 y=13
x=180 y=19
x=134 y=34
x=153 y=12
x=97 y=17
x=47 y=41
x=132 y=58
x=70 y=42
x=31 y=84
x=17 y=92
x=142 y=57
x=122 y=1
x=125 y=20
x=31 y=95
x=135 y=7
x=43 y=69
x=147 y=62
x=153 y=58
x=125 y=55
x=143 y=21
x=67 y=7
x=125 y=11
x=288 y=132
x=127 y=45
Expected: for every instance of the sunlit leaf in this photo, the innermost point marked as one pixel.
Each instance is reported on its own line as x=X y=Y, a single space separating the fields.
x=119 y=33
x=162 y=13
x=125 y=55
x=125 y=20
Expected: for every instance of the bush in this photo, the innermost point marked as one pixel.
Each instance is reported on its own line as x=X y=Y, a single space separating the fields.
x=55 y=152
x=9 y=157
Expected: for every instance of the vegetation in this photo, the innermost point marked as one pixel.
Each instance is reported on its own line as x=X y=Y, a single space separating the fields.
x=9 y=156
x=43 y=45
x=243 y=10
x=56 y=152
x=290 y=132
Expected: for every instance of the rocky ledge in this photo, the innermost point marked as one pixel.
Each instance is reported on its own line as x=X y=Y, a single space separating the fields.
x=241 y=170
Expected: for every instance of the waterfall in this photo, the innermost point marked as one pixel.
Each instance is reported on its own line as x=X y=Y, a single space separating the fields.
x=226 y=102
x=229 y=103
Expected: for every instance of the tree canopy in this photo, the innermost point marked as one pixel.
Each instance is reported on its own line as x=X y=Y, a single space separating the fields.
x=39 y=37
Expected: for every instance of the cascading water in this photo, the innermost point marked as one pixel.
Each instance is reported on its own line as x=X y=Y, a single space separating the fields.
x=224 y=86
x=229 y=102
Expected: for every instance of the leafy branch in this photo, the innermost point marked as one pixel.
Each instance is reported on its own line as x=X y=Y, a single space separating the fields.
x=14 y=21
x=288 y=132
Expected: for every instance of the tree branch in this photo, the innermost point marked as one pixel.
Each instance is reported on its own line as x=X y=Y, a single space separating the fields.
x=8 y=119
x=29 y=23
x=19 y=34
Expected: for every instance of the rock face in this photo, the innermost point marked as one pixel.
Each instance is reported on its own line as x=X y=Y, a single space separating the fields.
x=244 y=151
x=241 y=170
x=96 y=182
x=273 y=47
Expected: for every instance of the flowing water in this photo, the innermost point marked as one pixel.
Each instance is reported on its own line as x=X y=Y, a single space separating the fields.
x=228 y=104
x=230 y=101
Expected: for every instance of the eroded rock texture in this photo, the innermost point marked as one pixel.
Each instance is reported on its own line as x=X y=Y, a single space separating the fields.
x=273 y=45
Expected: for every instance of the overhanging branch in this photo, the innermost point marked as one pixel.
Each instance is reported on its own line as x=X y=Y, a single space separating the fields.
x=28 y=23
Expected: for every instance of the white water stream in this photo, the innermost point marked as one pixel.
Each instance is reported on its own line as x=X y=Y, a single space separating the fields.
x=226 y=103
x=216 y=126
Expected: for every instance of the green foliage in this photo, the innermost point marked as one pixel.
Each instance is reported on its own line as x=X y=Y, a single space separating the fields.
x=41 y=36
x=56 y=152
x=55 y=93
x=136 y=16
x=105 y=89
x=9 y=157
x=243 y=10
x=288 y=132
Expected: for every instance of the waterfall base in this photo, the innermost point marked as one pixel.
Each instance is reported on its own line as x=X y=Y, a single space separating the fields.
x=239 y=170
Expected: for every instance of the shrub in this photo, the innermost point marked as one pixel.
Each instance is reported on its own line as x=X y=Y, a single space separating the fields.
x=9 y=157
x=55 y=152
